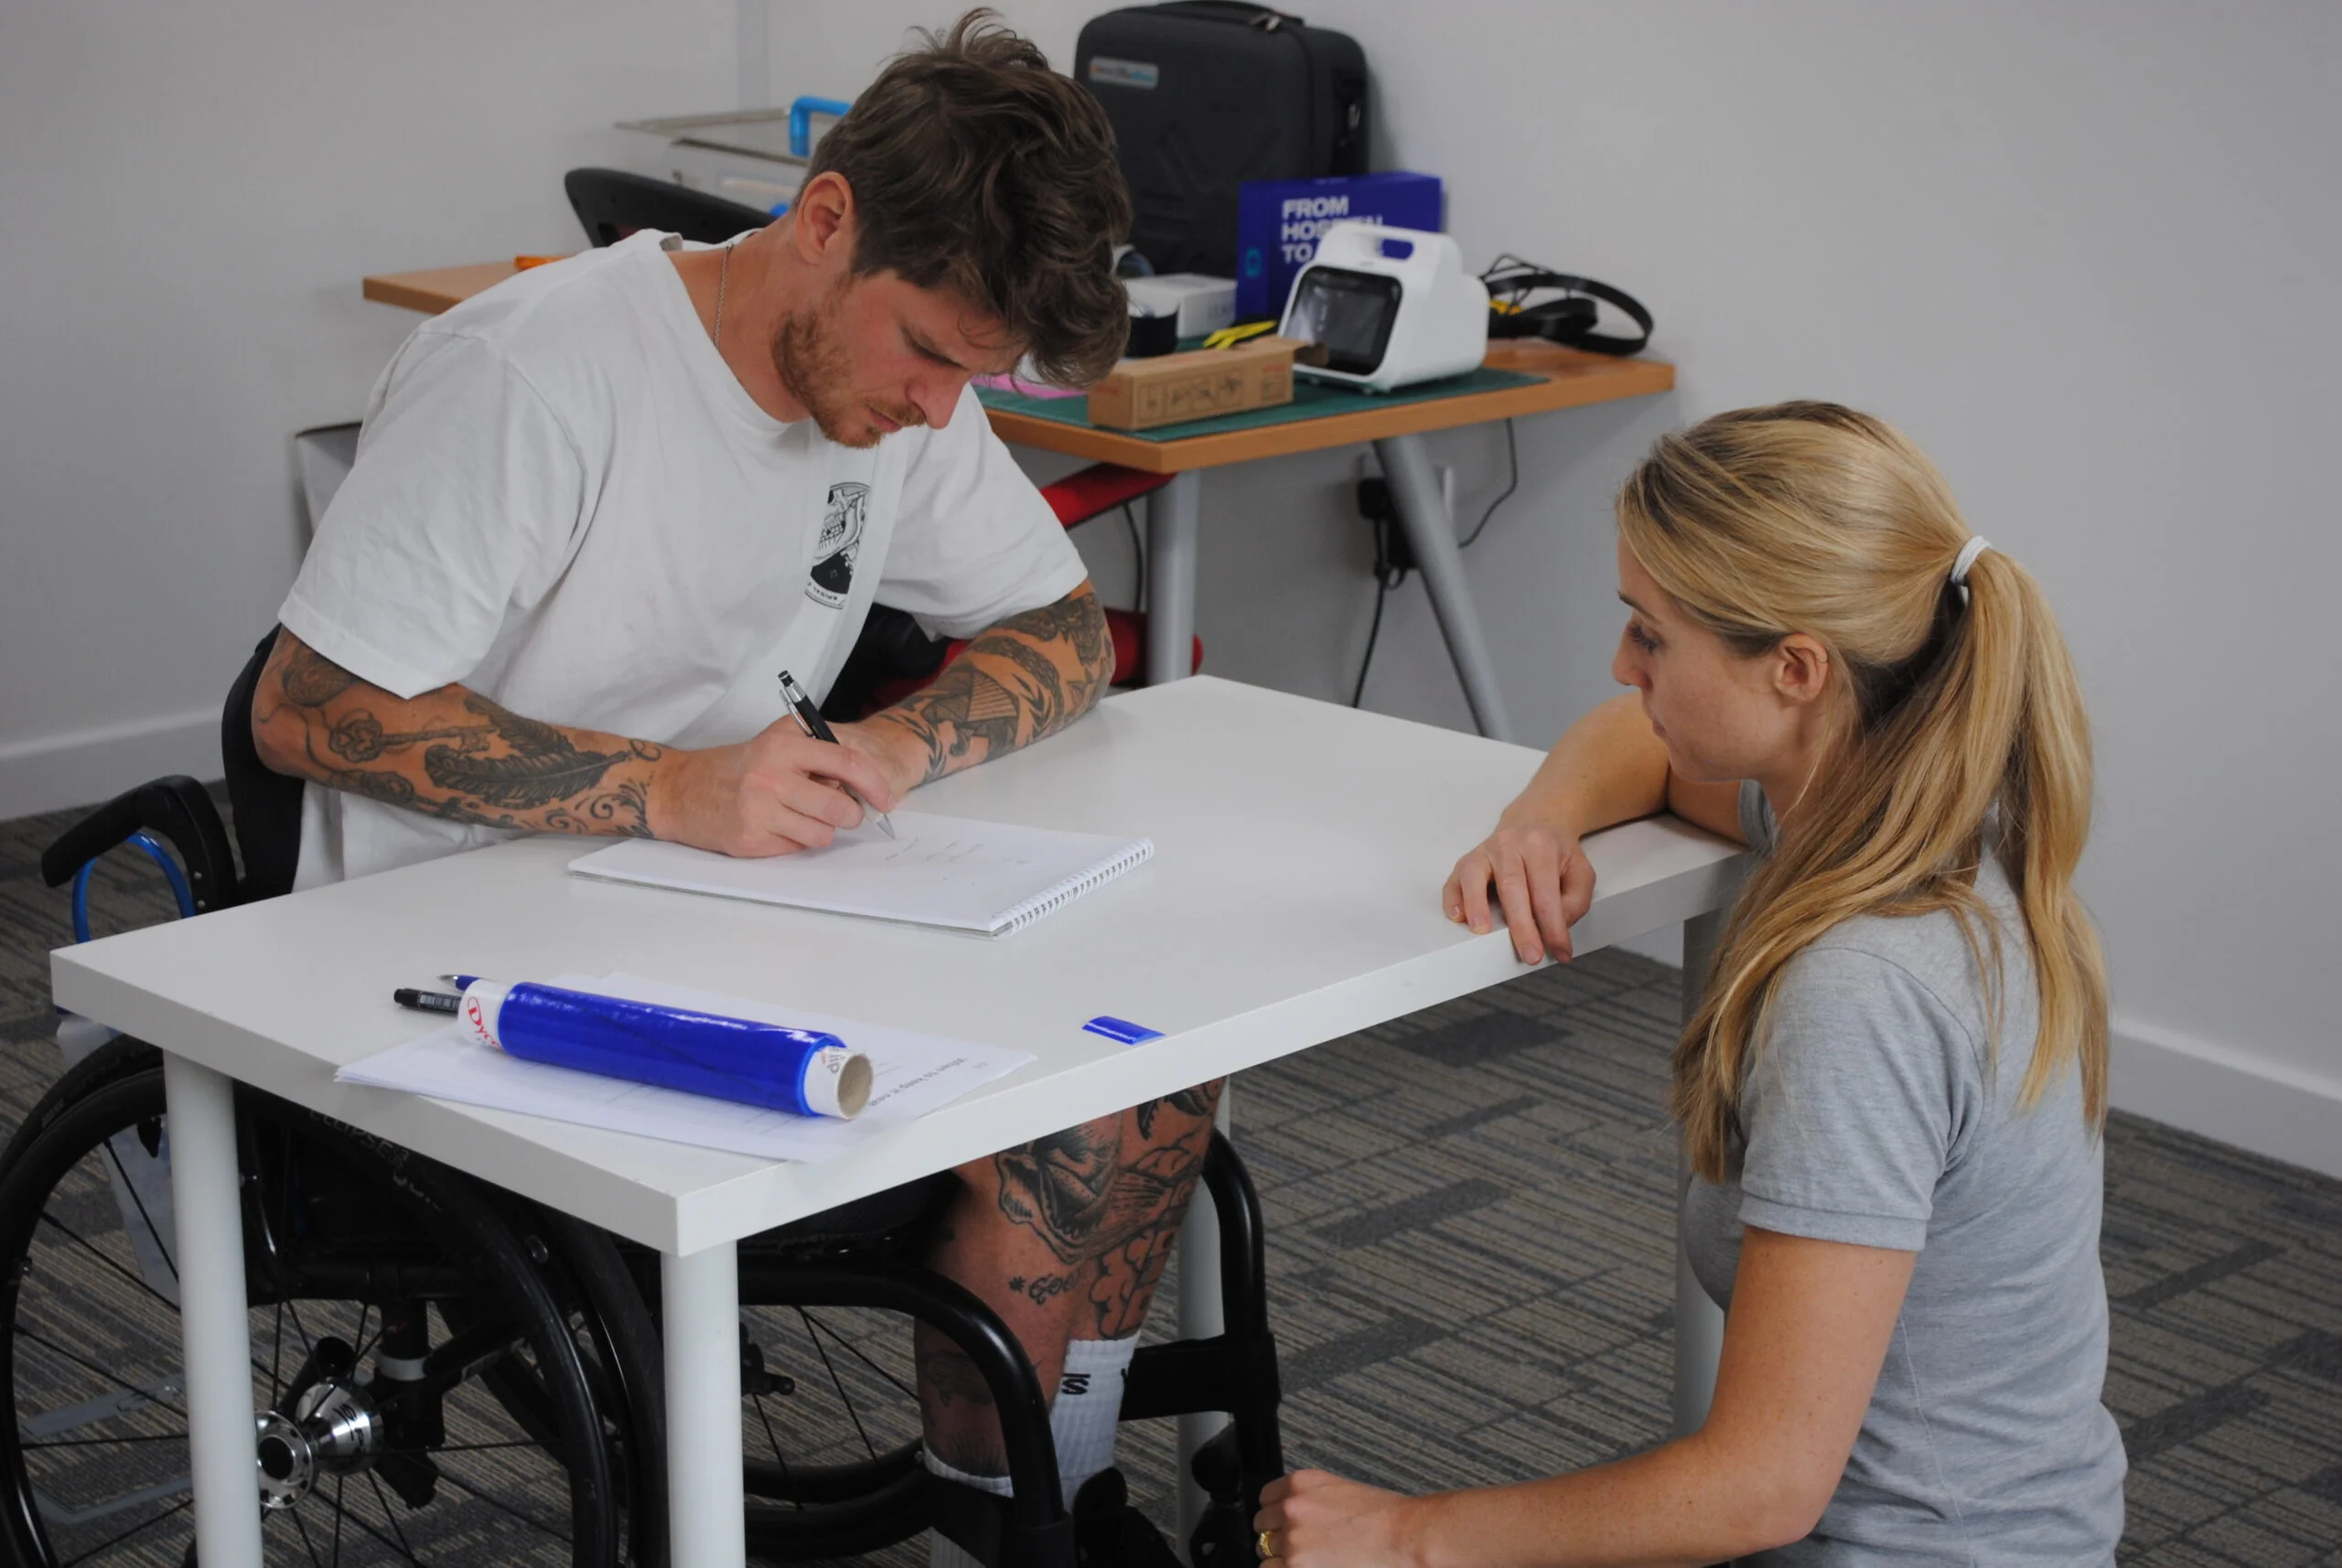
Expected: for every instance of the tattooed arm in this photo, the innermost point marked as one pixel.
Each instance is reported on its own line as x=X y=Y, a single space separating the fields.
x=455 y=754
x=1019 y=680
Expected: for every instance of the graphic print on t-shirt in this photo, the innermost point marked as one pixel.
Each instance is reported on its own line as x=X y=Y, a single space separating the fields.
x=841 y=541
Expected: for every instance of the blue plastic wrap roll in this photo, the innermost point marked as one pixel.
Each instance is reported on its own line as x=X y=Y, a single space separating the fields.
x=805 y=1070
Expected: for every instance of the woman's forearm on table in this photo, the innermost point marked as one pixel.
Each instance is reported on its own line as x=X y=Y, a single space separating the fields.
x=1609 y=767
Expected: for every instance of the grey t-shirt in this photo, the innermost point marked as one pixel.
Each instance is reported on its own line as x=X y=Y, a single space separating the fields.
x=1875 y=1115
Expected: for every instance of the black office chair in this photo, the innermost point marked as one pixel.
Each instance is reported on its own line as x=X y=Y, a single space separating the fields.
x=521 y=1270
x=612 y=204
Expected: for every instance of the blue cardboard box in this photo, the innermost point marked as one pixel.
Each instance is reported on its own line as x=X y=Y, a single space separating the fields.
x=1278 y=222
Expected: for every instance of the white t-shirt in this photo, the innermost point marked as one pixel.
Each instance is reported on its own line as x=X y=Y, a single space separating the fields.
x=565 y=499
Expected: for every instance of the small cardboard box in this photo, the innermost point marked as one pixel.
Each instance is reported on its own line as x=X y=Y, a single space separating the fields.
x=1138 y=394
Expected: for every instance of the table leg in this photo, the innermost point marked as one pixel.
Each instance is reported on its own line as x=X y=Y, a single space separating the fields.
x=1423 y=511
x=1698 y=1321
x=1202 y=1316
x=1172 y=525
x=706 y=1524
x=222 y=1439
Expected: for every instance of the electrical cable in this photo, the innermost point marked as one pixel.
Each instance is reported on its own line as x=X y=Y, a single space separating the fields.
x=1358 y=692
x=1512 y=465
x=1570 y=320
x=1388 y=576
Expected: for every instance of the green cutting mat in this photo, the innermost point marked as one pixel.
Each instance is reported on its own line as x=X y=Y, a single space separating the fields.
x=1311 y=400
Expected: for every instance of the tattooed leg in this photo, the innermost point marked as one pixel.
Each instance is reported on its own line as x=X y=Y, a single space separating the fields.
x=1175 y=1133
x=1066 y=1237
x=1021 y=1279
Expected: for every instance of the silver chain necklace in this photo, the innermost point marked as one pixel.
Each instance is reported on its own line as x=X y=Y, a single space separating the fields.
x=723 y=277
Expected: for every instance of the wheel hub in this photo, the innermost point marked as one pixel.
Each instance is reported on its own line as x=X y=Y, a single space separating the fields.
x=333 y=1429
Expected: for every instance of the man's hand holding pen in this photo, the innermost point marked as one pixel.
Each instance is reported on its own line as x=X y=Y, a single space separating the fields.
x=774 y=794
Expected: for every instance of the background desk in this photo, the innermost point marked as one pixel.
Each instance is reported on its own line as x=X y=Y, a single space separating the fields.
x=1292 y=899
x=1565 y=378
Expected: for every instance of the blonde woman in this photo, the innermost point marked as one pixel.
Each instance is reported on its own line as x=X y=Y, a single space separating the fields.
x=1891 y=1097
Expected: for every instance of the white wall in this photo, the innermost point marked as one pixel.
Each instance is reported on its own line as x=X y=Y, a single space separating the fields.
x=189 y=195
x=2085 y=253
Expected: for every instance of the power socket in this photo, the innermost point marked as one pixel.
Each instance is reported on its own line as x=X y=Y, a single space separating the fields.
x=1395 y=555
x=1368 y=468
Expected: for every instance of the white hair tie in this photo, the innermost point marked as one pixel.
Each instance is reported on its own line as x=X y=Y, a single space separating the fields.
x=1977 y=544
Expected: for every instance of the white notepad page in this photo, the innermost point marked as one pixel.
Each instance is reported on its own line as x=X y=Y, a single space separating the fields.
x=994 y=877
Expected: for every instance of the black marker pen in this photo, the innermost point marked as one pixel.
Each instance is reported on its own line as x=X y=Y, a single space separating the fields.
x=809 y=719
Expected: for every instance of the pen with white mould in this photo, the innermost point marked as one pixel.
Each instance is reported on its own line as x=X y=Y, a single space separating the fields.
x=809 y=1071
x=810 y=720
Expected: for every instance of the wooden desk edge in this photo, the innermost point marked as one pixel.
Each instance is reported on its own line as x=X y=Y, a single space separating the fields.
x=1566 y=380
x=436 y=289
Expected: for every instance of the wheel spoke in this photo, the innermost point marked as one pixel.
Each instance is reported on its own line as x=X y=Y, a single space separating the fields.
x=357 y=1356
x=461 y=1484
x=98 y=1253
x=389 y=1516
x=780 y=1460
x=94 y=1369
x=131 y=1187
x=109 y=1545
x=851 y=1348
x=302 y=1528
x=397 y=1546
x=838 y=1383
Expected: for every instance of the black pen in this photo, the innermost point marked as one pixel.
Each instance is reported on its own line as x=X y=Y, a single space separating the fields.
x=809 y=719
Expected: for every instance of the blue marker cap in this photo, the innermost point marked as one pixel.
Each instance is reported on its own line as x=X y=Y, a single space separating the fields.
x=1121 y=1030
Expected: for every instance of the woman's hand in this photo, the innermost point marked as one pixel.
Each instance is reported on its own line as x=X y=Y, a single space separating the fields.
x=1544 y=884
x=1322 y=1521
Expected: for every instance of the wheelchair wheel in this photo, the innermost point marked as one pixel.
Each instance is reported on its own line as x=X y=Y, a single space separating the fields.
x=427 y=1394
x=832 y=1444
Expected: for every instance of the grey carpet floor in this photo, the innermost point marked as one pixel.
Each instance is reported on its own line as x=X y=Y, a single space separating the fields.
x=1469 y=1216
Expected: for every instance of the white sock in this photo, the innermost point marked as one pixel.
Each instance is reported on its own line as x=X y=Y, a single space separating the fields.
x=942 y=1552
x=1083 y=1421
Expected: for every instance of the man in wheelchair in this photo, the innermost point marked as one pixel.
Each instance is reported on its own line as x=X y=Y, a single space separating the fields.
x=595 y=509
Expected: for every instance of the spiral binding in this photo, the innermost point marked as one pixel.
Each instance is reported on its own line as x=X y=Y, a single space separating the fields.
x=1073 y=887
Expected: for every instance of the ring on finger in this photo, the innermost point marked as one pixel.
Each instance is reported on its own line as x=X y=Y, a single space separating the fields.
x=1265 y=1545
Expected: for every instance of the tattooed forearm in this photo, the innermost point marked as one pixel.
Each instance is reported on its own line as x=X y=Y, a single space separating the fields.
x=450 y=754
x=1024 y=679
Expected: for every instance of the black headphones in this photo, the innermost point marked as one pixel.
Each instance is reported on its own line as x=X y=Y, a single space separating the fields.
x=1568 y=321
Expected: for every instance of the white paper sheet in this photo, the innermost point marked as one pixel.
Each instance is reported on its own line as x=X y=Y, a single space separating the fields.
x=912 y=1074
x=992 y=877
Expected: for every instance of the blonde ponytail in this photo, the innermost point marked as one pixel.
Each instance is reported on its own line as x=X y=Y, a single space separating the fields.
x=1963 y=719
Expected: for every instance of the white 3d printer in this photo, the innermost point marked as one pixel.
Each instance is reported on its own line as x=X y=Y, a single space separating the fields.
x=1389 y=308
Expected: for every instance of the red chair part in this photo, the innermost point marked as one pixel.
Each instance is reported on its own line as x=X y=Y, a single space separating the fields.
x=1076 y=498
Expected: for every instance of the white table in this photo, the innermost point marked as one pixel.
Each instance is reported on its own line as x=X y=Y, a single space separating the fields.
x=1292 y=899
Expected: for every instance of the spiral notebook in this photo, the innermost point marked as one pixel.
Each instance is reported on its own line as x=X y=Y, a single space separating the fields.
x=992 y=877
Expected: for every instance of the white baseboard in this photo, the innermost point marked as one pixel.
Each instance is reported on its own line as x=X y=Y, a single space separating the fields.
x=2213 y=1090
x=89 y=766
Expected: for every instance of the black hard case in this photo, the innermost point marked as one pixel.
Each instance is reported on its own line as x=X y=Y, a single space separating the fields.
x=1237 y=92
